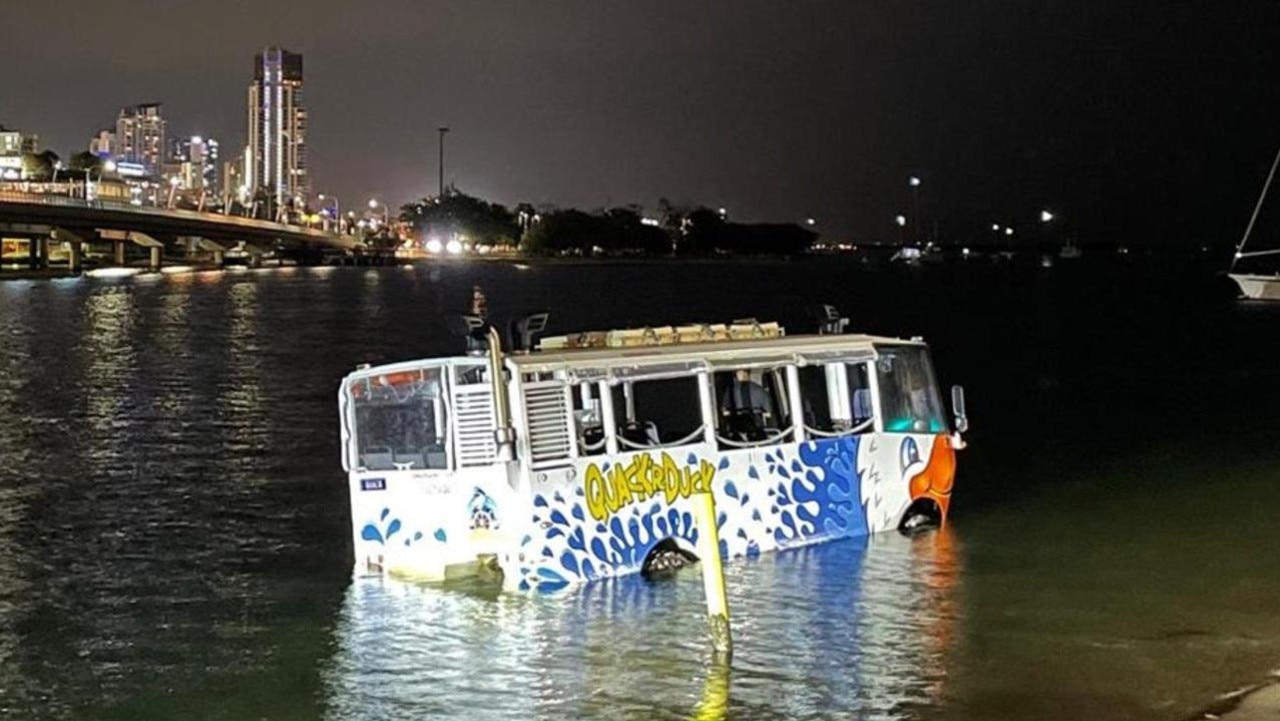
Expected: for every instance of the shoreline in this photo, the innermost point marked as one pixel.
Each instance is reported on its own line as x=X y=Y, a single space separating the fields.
x=56 y=273
x=1254 y=702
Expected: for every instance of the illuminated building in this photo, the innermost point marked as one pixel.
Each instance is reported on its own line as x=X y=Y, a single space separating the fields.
x=276 y=160
x=103 y=144
x=195 y=161
x=140 y=133
x=10 y=154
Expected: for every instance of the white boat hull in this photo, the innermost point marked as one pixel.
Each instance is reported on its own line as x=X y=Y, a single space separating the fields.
x=1258 y=287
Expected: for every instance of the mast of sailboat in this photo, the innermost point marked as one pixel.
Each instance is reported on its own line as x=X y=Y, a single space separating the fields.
x=1254 y=218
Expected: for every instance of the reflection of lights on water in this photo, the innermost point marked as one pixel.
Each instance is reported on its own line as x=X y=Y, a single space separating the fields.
x=113 y=272
x=521 y=266
x=851 y=621
x=171 y=269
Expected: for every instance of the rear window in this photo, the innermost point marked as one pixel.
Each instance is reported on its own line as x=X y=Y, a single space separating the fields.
x=400 y=420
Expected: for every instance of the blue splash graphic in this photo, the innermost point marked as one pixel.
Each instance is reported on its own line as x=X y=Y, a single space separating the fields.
x=563 y=554
x=371 y=532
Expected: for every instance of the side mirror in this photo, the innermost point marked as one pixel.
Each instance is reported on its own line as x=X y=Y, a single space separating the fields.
x=957 y=408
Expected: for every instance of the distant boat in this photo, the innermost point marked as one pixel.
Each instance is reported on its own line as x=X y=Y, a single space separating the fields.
x=908 y=254
x=1253 y=285
x=1258 y=287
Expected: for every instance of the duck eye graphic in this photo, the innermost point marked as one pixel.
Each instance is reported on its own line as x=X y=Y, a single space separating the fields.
x=909 y=454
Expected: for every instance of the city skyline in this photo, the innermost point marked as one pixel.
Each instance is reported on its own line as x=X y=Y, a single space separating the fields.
x=1158 y=125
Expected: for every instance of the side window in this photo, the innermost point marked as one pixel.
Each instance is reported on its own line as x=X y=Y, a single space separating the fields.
x=588 y=419
x=836 y=397
x=817 y=411
x=653 y=413
x=752 y=405
x=909 y=399
x=401 y=420
x=861 y=409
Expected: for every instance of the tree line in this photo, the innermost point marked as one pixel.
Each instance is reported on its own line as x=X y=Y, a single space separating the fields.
x=617 y=231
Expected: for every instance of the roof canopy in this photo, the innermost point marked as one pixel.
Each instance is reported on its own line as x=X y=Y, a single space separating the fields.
x=665 y=361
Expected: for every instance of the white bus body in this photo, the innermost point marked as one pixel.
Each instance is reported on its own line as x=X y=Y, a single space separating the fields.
x=841 y=435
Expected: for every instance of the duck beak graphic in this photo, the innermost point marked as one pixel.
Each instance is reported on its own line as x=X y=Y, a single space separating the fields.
x=936 y=478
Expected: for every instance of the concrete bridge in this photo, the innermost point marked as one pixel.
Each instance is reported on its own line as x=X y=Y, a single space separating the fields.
x=121 y=232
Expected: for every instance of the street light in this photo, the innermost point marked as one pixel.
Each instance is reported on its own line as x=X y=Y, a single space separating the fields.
x=386 y=217
x=1046 y=216
x=337 y=210
x=173 y=189
x=914 y=183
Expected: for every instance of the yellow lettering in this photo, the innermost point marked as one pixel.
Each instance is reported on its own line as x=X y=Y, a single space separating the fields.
x=708 y=472
x=621 y=491
x=642 y=479
x=595 y=490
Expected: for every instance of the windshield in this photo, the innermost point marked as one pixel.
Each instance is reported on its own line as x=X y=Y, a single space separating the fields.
x=909 y=400
x=400 y=420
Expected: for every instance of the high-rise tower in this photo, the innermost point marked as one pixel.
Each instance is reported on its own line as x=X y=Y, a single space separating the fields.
x=276 y=158
x=140 y=133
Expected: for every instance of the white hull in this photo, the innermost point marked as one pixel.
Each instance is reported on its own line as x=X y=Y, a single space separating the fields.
x=1258 y=287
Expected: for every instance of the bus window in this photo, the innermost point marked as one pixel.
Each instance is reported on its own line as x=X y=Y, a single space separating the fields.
x=909 y=400
x=836 y=397
x=658 y=413
x=588 y=419
x=860 y=406
x=400 y=420
x=752 y=405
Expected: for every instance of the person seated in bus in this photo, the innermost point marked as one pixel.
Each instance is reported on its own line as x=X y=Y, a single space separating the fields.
x=745 y=406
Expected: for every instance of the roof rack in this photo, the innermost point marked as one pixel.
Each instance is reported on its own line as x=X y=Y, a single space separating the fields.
x=744 y=329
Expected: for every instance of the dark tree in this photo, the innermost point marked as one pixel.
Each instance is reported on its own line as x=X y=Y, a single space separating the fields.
x=85 y=161
x=617 y=231
x=461 y=216
x=39 y=166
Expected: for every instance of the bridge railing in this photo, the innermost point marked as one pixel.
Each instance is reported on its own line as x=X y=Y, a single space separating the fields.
x=17 y=196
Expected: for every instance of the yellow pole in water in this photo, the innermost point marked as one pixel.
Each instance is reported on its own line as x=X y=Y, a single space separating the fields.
x=713 y=573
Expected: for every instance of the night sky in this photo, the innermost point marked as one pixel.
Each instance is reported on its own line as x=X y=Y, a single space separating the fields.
x=1133 y=121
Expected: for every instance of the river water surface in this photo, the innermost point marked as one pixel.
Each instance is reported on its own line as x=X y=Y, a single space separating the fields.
x=174 y=525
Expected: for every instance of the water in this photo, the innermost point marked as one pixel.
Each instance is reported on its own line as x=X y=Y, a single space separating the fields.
x=174 y=529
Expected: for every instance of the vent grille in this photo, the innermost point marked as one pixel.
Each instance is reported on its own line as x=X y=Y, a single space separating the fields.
x=546 y=409
x=473 y=408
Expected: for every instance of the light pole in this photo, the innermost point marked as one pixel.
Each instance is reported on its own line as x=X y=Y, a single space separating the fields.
x=901 y=222
x=337 y=209
x=1046 y=217
x=386 y=218
x=442 y=130
x=173 y=189
x=914 y=183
